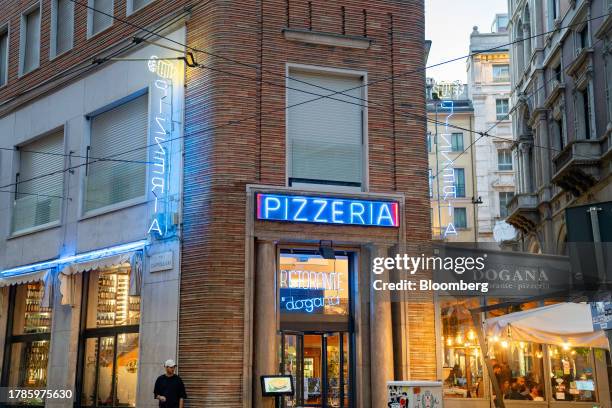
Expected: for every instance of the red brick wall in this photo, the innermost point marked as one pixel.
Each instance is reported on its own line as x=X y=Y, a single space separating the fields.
x=221 y=163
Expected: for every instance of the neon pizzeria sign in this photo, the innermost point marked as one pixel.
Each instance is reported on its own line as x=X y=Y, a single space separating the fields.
x=327 y=210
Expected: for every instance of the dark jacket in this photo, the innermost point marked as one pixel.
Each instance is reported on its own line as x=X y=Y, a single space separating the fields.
x=170 y=387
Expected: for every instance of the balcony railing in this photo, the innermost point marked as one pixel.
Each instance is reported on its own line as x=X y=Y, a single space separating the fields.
x=576 y=168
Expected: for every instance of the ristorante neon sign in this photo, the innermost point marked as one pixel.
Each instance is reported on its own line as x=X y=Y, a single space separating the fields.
x=327 y=210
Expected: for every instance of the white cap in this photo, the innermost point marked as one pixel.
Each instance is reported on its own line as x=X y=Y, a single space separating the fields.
x=170 y=363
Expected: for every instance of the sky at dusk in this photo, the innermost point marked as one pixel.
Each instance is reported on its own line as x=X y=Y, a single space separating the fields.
x=448 y=24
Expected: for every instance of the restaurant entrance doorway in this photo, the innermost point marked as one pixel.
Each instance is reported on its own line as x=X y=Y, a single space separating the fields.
x=320 y=365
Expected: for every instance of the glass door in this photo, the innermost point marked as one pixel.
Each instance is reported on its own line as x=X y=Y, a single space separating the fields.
x=319 y=364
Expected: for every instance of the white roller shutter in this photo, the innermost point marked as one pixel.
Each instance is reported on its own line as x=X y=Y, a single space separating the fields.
x=31 y=48
x=99 y=16
x=63 y=25
x=325 y=138
x=38 y=201
x=118 y=130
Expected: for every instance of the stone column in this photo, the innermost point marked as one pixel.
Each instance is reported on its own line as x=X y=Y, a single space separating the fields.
x=381 y=336
x=265 y=326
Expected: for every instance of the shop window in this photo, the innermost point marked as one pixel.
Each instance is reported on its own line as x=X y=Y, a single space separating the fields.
x=457 y=142
x=504 y=160
x=316 y=341
x=4 y=44
x=99 y=16
x=460 y=182
x=502 y=108
x=518 y=366
x=30 y=40
x=518 y=369
x=325 y=137
x=28 y=340
x=312 y=285
x=38 y=199
x=109 y=346
x=504 y=200
x=62 y=26
x=462 y=364
x=572 y=373
x=113 y=132
x=501 y=73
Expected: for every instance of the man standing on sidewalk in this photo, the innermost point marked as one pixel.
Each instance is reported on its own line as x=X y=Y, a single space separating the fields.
x=169 y=388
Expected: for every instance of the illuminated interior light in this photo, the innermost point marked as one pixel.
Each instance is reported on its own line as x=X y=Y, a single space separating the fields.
x=471 y=335
x=566 y=346
x=504 y=344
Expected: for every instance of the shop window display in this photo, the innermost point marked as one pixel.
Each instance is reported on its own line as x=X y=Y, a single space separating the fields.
x=518 y=366
x=310 y=284
x=29 y=340
x=572 y=373
x=462 y=366
x=110 y=344
x=518 y=369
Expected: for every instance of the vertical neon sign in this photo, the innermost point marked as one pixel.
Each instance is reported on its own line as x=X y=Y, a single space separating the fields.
x=449 y=187
x=160 y=132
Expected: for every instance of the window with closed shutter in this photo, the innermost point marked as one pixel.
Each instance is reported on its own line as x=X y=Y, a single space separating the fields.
x=121 y=129
x=62 y=26
x=100 y=13
x=39 y=183
x=30 y=41
x=325 y=137
x=3 y=57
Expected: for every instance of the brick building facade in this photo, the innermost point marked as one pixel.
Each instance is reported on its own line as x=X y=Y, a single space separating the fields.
x=256 y=58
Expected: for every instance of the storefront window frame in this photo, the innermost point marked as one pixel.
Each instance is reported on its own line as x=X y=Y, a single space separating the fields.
x=85 y=334
x=596 y=376
x=349 y=331
x=12 y=339
x=487 y=391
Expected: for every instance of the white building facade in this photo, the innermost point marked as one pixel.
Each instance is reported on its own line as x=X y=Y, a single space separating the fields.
x=489 y=86
x=90 y=231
